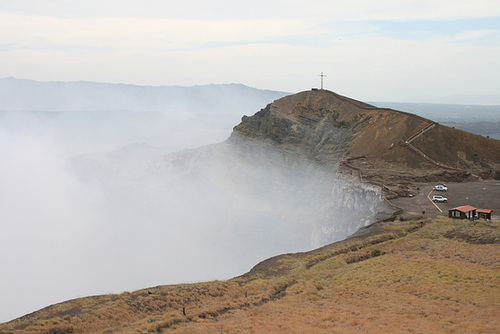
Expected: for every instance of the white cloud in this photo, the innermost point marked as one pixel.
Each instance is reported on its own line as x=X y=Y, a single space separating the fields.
x=474 y=35
x=274 y=44
x=226 y=9
x=154 y=33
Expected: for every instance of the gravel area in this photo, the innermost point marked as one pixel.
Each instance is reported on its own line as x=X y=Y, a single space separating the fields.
x=483 y=195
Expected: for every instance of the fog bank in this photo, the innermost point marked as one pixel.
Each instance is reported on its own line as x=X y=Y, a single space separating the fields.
x=107 y=201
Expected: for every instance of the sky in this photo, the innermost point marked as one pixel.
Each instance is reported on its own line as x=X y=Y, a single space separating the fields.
x=385 y=50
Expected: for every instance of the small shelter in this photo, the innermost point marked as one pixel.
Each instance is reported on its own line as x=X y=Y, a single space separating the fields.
x=484 y=213
x=463 y=212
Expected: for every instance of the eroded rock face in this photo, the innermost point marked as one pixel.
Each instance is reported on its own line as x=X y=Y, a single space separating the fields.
x=315 y=133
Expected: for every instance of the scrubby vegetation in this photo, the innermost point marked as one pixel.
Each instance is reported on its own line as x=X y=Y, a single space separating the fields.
x=439 y=276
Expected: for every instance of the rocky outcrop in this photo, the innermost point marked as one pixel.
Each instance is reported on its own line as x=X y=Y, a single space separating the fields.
x=311 y=126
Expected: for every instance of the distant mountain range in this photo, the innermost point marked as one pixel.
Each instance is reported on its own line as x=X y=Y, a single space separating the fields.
x=91 y=116
x=448 y=112
x=21 y=94
x=467 y=99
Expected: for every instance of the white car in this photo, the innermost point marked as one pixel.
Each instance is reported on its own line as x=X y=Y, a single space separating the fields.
x=440 y=187
x=439 y=199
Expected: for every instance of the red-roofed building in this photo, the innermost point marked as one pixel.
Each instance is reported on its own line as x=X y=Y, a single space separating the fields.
x=469 y=212
x=463 y=212
x=484 y=213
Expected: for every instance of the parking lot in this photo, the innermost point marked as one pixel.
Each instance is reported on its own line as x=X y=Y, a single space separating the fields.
x=483 y=195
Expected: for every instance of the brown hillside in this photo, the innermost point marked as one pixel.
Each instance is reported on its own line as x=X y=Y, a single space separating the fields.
x=325 y=125
x=460 y=149
x=424 y=276
x=376 y=133
x=395 y=146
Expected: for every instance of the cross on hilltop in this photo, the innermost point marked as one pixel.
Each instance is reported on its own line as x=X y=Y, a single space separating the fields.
x=322 y=76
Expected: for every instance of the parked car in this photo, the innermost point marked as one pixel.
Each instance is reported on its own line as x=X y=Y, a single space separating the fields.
x=439 y=199
x=440 y=187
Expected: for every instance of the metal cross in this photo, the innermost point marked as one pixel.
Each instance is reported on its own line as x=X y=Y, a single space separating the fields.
x=321 y=75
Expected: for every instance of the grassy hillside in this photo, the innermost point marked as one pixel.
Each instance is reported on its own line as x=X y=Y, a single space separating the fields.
x=439 y=276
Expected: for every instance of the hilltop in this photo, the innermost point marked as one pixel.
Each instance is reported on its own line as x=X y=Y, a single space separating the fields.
x=389 y=146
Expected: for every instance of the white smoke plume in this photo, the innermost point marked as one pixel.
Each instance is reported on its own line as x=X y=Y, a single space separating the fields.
x=98 y=203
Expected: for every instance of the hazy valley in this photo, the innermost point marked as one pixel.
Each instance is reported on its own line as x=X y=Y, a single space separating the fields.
x=158 y=188
x=109 y=200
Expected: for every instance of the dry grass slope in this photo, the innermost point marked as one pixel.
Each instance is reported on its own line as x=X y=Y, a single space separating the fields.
x=439 y=276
